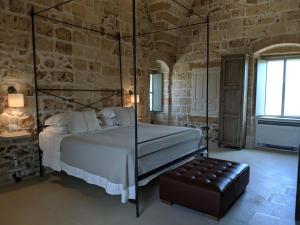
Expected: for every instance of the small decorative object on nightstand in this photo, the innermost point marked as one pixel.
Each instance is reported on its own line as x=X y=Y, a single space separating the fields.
x=16 y=170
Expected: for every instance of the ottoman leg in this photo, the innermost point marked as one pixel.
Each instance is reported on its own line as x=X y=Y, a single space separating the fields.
x=167 y=202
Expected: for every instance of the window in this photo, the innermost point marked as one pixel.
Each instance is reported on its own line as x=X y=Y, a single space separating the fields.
x=278 y=88
x=155 y=92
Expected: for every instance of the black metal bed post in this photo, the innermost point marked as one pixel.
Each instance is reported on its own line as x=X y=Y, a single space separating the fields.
x=120 y=68
x=207 y=84
x=35 y=88
x=137 y=205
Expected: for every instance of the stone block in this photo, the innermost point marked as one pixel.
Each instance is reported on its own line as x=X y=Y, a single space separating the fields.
x=79 y=37
x=219 y=15
x=44 y=44
x=257 y=9
x=62 y=76
x=78 y=10
x=41 y=74
x=110 y=71
x=21 y=41
x=262 y=43
x=278 y=28
x=64 y=48
x=95 y=67
x=266 y=20
x=94 y=41
x=44 y=28
x=251 y=1
x=107 y=44
x=160 y=25
x=63 y=34
x=166 y=16
x=159 y=6
x=278 y=6
x=2 y=6
x=80 y=64
x=293 y=15
x=21 y=23
x=238 y=43
x=17 y=6
x=164 y=47
x=167 y=37
x=50 y=104
x=49 y=63
x=256 y=31
x=285 y=38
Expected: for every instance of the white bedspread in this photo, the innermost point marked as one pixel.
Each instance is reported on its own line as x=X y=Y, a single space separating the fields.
x=106 y=158
x=50 y=143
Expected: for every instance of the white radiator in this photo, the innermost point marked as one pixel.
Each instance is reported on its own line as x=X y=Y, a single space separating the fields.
x=277 y=133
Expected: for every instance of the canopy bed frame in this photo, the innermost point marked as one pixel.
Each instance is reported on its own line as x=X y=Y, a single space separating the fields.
x=117 y=92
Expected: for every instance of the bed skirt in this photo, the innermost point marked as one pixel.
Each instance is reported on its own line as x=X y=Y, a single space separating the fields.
x=110 y=188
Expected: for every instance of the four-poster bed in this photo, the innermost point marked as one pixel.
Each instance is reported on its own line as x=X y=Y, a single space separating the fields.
x=119 y=92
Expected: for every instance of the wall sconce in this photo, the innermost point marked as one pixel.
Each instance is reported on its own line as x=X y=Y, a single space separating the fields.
x=131 y=93
x=15 y=100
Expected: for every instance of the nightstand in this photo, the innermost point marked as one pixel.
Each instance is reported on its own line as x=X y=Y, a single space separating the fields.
x=16 y=170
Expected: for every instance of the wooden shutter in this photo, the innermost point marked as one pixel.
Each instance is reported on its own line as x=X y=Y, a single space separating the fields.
x=233 y=103
x=198 y=107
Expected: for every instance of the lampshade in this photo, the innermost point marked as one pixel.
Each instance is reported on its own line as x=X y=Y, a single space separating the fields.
x=16 y=100
x=132 y=98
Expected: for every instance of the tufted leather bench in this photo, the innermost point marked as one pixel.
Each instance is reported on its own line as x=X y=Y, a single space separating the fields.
x=205 y=184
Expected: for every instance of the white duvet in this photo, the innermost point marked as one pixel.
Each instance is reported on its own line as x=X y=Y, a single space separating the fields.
x=86 y=155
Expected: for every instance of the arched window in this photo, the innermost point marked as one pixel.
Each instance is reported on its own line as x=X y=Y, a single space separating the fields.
x=156 y=91
x=156 y=86
x=278 y=81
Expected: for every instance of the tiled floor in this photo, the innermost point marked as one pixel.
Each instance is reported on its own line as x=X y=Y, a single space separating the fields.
x=60 y=199
x=270 y=196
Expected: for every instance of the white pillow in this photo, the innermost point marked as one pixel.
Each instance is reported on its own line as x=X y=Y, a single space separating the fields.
x=109 y=122
x=108 y=113
x=57 y=120
x=125 y=115
x=92 y=121
x=81 y=122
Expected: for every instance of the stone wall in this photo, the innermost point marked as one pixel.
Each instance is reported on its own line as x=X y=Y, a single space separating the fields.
x=236 y=27
x=67 y=57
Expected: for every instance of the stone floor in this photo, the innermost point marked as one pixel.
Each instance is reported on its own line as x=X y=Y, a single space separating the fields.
x=58 y=199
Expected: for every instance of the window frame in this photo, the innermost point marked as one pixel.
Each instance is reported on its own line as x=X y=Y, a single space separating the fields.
x=284 y=58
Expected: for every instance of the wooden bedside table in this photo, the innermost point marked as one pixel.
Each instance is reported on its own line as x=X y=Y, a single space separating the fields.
x=16 y=170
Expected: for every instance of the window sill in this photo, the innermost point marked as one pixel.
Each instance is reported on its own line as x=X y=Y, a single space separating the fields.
x=279 y=119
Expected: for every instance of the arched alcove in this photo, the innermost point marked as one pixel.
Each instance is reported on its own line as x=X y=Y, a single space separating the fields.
x=162 y=67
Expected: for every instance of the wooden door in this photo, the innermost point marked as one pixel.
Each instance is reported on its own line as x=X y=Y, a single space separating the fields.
x=231 y=101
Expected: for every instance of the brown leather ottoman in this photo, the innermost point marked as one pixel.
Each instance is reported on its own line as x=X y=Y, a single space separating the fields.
x=205 y=184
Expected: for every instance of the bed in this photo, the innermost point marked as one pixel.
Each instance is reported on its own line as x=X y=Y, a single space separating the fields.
x=106 y=157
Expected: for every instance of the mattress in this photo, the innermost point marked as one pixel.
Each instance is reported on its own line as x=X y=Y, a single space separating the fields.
x=106 y=158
